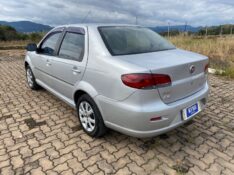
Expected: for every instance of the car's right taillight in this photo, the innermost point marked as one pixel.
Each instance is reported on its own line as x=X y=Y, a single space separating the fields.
x=145 y=80
x=206 y=68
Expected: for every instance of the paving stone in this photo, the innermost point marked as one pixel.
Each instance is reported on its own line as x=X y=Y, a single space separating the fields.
x=122 y=152
x=202 y=165
x=225 y=164
x=197 y=170
x=152 y=165
x=105 y=167
x=91 y=161
x=39 y=134
x=17 y=162
x=167 y=170
x=63 y=159
x=67 y=172
x=107 y=156
x=123 y=171
x=61 y=167
x=122 y=162
x=37 y=171
x=133 y=167
x=7 y=170
x=42 y=148
x=215 y=169
x=221 y=154
x=52 y=172
x=227 y=172
x=93 y=169
x=4 y=163
x=75 y=165
x=31 y=165
x=79 y=154
x=45 y=163
x=209 y=158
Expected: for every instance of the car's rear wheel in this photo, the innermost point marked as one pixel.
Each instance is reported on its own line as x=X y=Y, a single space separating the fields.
x=90 y=117
x=31 y=79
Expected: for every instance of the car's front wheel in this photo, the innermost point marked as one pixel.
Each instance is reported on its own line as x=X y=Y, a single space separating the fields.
x=90 y=117
x=31 y=79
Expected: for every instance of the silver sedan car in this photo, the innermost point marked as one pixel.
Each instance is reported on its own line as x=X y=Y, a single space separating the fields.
x=127 y=78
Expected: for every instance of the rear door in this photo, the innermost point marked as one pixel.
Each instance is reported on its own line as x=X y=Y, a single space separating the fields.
x=42 y=58
x=69 y=65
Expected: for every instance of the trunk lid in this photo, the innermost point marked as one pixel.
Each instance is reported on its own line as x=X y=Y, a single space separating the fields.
x=177 y=64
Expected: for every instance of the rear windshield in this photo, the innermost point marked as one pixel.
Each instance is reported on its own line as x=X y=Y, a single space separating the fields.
x=133 y=40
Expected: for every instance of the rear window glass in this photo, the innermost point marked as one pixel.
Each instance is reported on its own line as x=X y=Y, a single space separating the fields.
x=133 y=40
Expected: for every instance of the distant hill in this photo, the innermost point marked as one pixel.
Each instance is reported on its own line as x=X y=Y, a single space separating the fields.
x=180 y=28
x=26 y=26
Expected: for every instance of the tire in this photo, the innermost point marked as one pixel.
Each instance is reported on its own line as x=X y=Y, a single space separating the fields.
x=90 y=117
x=31 y=79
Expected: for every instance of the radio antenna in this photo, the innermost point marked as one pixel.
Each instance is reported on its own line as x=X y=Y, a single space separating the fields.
x=86 y=16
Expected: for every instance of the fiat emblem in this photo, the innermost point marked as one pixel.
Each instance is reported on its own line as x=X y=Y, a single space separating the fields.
x=192 y=69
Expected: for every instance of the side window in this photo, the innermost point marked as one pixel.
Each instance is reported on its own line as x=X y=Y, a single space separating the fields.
x=72 y=46
x=48 y=46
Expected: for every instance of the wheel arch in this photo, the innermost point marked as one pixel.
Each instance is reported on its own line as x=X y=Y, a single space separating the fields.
x=27 y=62
x=78 y=94
x=84 y=88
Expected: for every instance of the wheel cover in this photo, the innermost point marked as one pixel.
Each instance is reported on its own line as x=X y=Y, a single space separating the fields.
x=86 y=115
x=29 y=77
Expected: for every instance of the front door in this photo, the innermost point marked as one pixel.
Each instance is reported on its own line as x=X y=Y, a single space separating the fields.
x=70 y=63
x=42 y=58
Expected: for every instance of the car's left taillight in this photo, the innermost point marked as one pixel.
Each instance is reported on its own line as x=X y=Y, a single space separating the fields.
x=145 y=80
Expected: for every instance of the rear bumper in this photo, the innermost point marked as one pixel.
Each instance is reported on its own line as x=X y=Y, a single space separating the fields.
x=145 y=134
x=132 y=116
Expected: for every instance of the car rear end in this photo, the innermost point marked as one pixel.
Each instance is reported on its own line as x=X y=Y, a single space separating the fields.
x=171 y=92
x=155 y=109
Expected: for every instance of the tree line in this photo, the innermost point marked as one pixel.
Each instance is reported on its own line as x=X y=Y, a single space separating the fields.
x=8 y=33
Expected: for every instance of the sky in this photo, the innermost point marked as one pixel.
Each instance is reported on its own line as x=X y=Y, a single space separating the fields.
x=142 y=12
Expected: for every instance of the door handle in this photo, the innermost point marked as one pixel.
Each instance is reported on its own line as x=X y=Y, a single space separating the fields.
x=76 y=70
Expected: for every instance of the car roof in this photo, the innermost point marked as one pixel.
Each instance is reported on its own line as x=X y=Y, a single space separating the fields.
x=95 y=25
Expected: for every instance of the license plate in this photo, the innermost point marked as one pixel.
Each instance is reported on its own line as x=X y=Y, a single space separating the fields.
x=191 y=111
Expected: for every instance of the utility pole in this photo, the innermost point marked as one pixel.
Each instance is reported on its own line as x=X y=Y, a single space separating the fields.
x=221 y=30
x=168 y=30
x=206 y=31
x=231 y=29
x=185 y=27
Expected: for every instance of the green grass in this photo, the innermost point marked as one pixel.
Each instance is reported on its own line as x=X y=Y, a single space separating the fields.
x=228 y=72
x=12 y=45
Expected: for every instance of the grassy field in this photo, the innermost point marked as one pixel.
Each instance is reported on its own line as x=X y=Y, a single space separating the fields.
x=9 y=45
x=220 y=50
x=13 y=48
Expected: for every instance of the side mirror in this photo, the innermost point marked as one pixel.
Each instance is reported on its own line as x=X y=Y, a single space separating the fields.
x=31 y=47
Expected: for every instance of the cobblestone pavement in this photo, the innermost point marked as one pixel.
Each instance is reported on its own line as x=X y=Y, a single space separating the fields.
x=39 y=134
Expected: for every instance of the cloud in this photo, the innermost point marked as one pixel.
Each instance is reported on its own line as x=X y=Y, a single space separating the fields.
x=147 y=12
